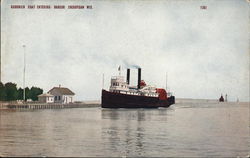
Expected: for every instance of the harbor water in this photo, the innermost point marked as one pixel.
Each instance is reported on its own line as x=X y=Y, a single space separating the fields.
x=191 y=129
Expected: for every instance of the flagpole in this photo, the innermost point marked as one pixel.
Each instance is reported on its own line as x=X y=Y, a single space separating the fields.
x=119 y=69
x=24 y=65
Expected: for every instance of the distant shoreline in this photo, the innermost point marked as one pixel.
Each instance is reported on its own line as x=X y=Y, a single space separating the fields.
x=189 y=100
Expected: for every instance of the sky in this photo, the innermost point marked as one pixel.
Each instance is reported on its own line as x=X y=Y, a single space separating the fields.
x=204 y=52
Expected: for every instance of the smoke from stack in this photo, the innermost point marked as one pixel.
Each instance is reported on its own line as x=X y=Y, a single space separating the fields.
x=135 y=66
x=129 y=65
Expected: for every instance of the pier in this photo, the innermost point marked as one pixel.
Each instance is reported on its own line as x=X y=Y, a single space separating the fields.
x=14 y=105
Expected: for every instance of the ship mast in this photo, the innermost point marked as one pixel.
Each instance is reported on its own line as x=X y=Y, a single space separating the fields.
x=166 y=81
x=103 y=81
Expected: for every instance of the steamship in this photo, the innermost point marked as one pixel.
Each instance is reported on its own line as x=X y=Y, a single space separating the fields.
x=122 y=95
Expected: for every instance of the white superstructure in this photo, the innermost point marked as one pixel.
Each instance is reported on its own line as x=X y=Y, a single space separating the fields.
x=119 y=85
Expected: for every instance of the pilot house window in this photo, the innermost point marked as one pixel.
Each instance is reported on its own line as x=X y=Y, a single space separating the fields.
x=115 y=84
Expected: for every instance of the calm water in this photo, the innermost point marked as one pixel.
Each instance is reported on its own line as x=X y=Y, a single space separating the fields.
x=187 y=129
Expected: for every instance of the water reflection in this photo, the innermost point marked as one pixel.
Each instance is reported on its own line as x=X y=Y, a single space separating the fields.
x=120 y=114
x=126 y=131
x=134 y=114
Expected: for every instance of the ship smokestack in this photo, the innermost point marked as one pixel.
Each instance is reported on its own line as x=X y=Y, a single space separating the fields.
x=139 y=78
x=128 y=75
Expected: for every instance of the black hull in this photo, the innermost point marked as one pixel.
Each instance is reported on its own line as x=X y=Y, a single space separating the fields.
x=119 y=100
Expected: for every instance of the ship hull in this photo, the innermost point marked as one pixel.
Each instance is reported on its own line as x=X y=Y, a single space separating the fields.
x=119 y=100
